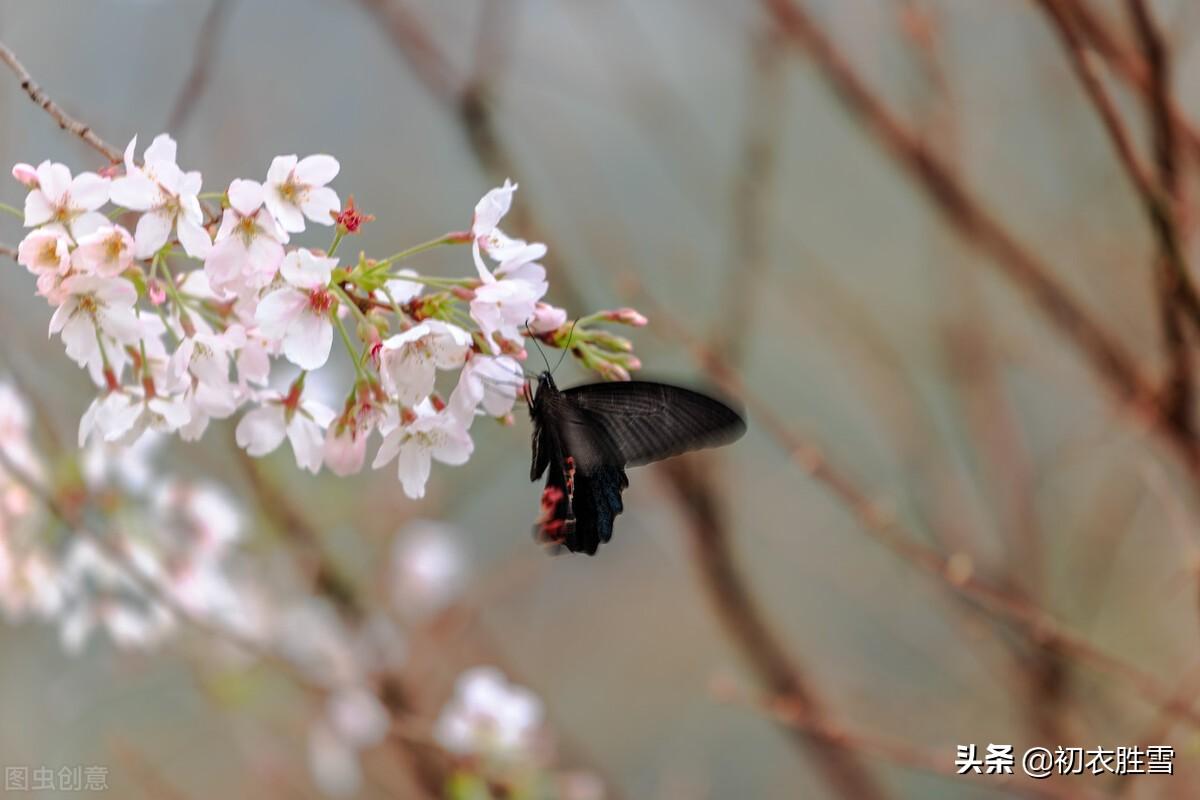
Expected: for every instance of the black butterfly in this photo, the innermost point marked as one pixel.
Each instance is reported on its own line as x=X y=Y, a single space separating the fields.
x=585 y=436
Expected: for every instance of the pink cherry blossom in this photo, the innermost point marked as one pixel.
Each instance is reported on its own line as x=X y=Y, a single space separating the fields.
x=414 y=444
x=297 y=315
x=64 y=202
x=45 y=251
x=547 y=318
x=199 y=371
x=296 y=189
x=167 y=195
x=301 y=421
x=249 y=243
x=107 y=252
x=409 y=361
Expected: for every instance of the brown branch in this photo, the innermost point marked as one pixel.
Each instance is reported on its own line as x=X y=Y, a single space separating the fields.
x=1176 y=293
x=9 y=252
x=891 y=750
x=197 y=79
x=1117 y=371
x=64 y=120
x=1128 y=65
x=1034 y=624
x=744 y=623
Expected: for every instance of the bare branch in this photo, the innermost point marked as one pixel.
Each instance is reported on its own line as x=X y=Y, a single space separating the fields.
x=197 y=79
x=64 y=120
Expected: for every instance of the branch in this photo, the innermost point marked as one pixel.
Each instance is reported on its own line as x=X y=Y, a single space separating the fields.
x=1035 y=625
x=744 y=623
x=64 y=120
x=1176 y=293
x=1117 y=371
x=197 y=79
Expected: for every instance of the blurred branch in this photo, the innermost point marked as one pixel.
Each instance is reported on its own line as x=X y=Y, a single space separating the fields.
x=1127 y=64
x=197 y=79
x=10 y=252
x=468 y=98
x=1118 y=372
x=744 y=623
x=893 y=751
x=64 y=120
x=1176 y=293
x=748 y=257
x=1035 y=624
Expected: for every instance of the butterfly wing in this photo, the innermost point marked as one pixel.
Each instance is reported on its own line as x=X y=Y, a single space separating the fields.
x=584 y=438
x=582 y=496
x=642 y=422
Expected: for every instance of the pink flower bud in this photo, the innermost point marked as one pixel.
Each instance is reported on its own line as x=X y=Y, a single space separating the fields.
x=626 y=316
x=157 y=292
x=25 y=174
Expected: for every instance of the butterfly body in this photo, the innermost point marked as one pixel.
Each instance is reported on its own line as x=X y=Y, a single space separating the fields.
x=585 y=437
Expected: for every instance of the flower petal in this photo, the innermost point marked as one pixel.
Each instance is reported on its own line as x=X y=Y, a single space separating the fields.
x=261 y=430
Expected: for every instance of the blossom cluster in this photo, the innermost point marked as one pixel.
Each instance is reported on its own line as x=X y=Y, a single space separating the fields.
x=179 y=304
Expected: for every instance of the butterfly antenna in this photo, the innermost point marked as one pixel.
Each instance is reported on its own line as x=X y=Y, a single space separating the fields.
x=538 y=346
x=567 y=348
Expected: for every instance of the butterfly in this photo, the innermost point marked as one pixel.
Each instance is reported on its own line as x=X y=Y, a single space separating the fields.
x=585 y=436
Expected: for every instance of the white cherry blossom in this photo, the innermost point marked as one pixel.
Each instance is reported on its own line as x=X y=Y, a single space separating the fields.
x=409 y=361
x=414 y=444
x=301 y=421
x=96 y=319
x=66 y=203
x=489 y=717
x=503 y=307
x=249 y=244
x=297 y=315
x=296 y=189
x=167 y=195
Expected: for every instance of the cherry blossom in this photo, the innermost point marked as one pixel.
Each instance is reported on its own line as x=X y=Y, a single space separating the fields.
x=96 y=319
x=428 y=566
x=488 y=716
x=415 y=443
x=45 y=251
x=485 y=234
x=65 y=203
x=107 y=252
x=167 y=195
x=300 y=420
x=493 y=382
x=503 y=307
x=199 y=368
x=409 y=361
x=298 y=314
x=296 y=189
x=249 y=244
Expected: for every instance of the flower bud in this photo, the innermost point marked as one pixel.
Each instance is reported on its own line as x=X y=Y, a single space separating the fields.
x=626 y=316
x=26 y=174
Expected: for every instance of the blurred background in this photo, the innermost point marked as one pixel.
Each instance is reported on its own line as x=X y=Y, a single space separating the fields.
x=941 y=528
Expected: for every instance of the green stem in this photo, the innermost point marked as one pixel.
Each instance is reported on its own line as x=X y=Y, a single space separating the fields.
x=16 y=212
x=449 y=238
x=337 y=239
x=354 y=357
x=345 y=298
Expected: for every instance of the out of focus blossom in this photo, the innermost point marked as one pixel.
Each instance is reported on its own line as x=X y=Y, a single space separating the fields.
x=490 y=717
x=428 y=567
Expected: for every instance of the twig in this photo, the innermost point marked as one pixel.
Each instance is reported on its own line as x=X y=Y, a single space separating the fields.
x=197 y=79
x=744 y=622
x=1118 y=372
x=1176 y=291
x=10 y=252
x=1033 y=623
x=64 y=120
